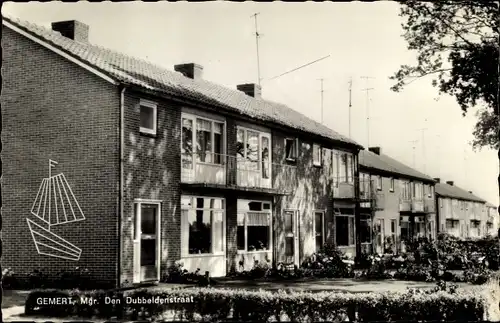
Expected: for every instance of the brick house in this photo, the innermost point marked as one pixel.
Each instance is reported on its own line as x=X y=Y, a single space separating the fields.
x=397 y=203
x=157 y=166
x=460 y=212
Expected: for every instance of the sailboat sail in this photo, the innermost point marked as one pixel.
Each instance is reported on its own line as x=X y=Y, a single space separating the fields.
x=55 y=202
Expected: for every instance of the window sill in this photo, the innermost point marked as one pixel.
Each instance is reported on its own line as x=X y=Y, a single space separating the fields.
x=351 y=246
x=317 y=165
x=204 y=255
x=392 y=191
x=208 y=164
x=147 y=134
x=242 y=252
x=292 y=160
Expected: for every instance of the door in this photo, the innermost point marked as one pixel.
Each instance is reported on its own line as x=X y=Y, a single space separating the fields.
x=291 y=237
x=379 y=236
x=147 y=242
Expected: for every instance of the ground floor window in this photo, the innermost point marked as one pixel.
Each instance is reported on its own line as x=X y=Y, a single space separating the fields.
x=344 y=227
x=378 y=234
x=391 y=240
x=254 y=226
x=203 y=223
x=319 y=229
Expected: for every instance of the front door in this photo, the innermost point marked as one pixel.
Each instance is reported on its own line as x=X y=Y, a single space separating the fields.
x=291 y=237
x=147 y=242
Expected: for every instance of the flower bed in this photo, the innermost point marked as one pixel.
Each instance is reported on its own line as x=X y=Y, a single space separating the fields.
x=237 y=305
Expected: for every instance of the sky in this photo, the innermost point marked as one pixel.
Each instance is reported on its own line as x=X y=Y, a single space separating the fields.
x=361 y=39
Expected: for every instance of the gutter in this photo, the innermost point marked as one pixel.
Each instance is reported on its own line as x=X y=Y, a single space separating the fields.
x=120 y=183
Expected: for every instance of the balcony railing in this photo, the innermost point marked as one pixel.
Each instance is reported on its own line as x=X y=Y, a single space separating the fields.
x=404 y=204
x=220 y=169
x=417 y=205
x=343 y=187
x=369 y=195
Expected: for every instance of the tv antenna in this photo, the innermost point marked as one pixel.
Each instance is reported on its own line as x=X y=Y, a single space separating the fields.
x=257 y=37
x=322 y=91
x=413 y=150
x=350 y=104
x=422 y=130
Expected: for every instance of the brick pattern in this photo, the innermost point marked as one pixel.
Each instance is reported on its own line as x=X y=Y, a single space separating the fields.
x=152 y=171
x=53 y=109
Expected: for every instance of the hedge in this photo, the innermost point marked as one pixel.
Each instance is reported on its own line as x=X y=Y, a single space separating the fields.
x=211 y=304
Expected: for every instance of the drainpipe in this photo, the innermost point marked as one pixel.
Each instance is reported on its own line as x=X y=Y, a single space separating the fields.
x=120 y=185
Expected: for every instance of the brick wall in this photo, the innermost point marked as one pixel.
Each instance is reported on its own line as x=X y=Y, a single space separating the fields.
x=311 y=189
x=54 y=109
x=152 y=171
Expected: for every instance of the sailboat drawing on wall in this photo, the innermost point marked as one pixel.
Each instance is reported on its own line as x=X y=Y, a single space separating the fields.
x=55 y=204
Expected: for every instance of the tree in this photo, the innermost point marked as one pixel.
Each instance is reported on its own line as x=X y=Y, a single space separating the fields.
x=457 y=44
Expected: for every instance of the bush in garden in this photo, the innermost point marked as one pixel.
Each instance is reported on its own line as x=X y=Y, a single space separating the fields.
x=178 y=275
x=441 y=304
x=9 y=279
x=378 y=268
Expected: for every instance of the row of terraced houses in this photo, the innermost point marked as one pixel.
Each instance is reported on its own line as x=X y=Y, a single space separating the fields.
x=124 y=167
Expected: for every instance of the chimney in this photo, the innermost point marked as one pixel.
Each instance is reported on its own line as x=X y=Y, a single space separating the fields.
x=437 y=179
x=470 y=192
x=449 y=183
x=375 y=150
x=72 y=29
x=190 y=70
x=251 y=89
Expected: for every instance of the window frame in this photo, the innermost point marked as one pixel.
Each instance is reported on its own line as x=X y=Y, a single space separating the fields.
x=322 y=212
x=391 y=184
x=269 y=212
x=261 y=134
x=185 y=234
x=296 y=145
x=194 y=140
x=349 y=217
x=379 y=183
x=319 y=162
x=152 y=105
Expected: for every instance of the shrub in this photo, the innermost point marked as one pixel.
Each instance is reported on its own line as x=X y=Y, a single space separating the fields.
x=74 y=278
x=441 y=304
x=9 y=279
x=377 y=269
x=177 y=275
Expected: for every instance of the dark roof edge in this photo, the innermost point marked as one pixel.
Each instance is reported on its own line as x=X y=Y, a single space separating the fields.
x=237 y=115
x=183 y=98
x=462 y=198
x=378 y=171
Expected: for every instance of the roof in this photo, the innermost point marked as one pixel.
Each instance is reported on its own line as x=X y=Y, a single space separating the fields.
x=447 y=190
x=138 y=72
x=488 y=204
x=370 y=160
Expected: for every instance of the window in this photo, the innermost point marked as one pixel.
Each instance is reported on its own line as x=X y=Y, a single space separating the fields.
x=392 y=243
x=405 y=190
x=379 y=182
x=317 y=156
x=208 y=138
x=344 y=227
x=365 y=229
x=203 y=222
x=253 y=151
x=291 y=149
x=431 y=191
x=319 y=229
x=345 y=165
x=391 y=188
x=440 y=202
x=417 y=188
x=254 y=226
x=148 y=114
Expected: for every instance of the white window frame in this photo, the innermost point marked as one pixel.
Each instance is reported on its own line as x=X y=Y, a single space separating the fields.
x=322 y=212
x=296 y=143
x=185 y=249
x=391 y=185
x=136 y=236
x=379 y=183
x=194 y=139
x=245 y=221
x=338 y=214
x=440 y=202
x=319 y=160
x=262 y=134
x=154 y=106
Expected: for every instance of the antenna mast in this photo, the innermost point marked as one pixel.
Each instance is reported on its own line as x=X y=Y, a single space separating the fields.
x=367 y=90
x=350 y=105
x=413 y=148
x=423 y=143
x=321 y=80
x=257 y=36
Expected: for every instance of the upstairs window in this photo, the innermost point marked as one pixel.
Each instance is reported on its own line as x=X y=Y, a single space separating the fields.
x=148 y=115
x=391 y=188
x=317 y=155
x=291 y=149
x=379 y=183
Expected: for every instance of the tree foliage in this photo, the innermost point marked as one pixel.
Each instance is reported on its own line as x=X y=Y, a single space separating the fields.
x=457 y=43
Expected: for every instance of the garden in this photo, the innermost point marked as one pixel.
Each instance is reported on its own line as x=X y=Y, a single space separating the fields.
x=443 y=263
